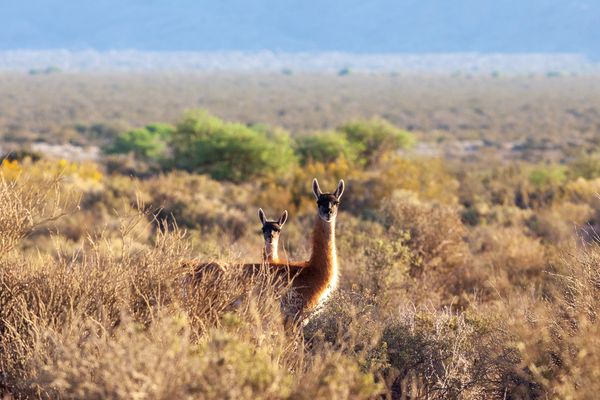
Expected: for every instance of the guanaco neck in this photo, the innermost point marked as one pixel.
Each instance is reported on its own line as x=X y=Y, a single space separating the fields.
x=324 y=257
x=270 y=253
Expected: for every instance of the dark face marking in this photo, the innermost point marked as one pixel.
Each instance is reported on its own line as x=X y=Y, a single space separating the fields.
x=270 y=228
x=271 y=231
x=327 y=204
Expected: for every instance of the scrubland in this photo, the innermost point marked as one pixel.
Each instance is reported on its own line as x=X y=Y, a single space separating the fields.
x=80 y=107
x=460 y=279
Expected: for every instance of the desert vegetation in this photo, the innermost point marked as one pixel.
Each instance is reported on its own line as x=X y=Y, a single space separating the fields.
x=459 y=278
x=535 y=111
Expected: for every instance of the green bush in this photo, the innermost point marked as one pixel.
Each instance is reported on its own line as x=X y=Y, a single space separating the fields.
x=229 y=151
x=548 y=176
x=586 y=166
x=373 y=137
x=148 y=143
x=325 y=147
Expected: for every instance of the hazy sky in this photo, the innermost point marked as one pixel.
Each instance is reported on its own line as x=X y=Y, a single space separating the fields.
x=414 y=26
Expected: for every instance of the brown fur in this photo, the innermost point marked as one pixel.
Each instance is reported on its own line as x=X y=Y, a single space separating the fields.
x=310 y=280
x=313 y=278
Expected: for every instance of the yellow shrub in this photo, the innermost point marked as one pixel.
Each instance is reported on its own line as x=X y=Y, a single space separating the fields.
x=584 y=191
x=428 y=178
x=328 y=175
x=10 y=169
x=85 y=175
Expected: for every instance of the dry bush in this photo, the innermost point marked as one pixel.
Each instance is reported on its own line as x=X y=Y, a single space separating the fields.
x=517 y=184
x=436 y=232
x=161 y=360
x=276 y=196
x=196 y=201
x=558 y=224
x=335 y=376
x=582 y=190
x=505 y=216
x=558 y=336
x=440 y=355
x=350 y=322
x=418 y=352
x=372 y=262
x=441 y=261
x=26 y=204
x=512 y=258
x=428 y=179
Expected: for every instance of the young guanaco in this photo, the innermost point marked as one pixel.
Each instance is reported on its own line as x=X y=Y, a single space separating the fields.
x=271 y=230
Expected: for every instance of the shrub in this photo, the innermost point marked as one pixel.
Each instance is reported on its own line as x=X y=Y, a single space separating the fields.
x=515 y=259
x=375 y=262
x=148 y=143
x=27 y=203
x=438 y=355
x=586 y=166
x=559 y=223
x=324 y=147
x=559 y=336
x=428 y=179
x=548 y=176
x=10 y=169
x=229 y=151
x=435 y=233
x=198 y=202
x=376 y=136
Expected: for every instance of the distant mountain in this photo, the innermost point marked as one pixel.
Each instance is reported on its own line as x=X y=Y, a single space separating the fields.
x=358 y=26
x=54 y=61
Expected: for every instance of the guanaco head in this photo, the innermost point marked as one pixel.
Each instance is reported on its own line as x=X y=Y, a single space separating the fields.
x=271 y=230
x=327 y=203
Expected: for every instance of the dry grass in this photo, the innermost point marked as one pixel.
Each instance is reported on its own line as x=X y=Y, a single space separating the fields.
x=428 y=308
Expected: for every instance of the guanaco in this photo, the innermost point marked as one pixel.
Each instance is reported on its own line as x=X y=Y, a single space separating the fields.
x=271 y=230
x=313 y=280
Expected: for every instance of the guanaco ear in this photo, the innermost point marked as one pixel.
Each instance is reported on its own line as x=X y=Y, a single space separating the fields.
x=340 y=189
x=316 y=189
x=283 y=218
x=262 y=216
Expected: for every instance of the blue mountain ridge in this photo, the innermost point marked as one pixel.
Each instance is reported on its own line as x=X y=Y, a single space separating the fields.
x=377 y=26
